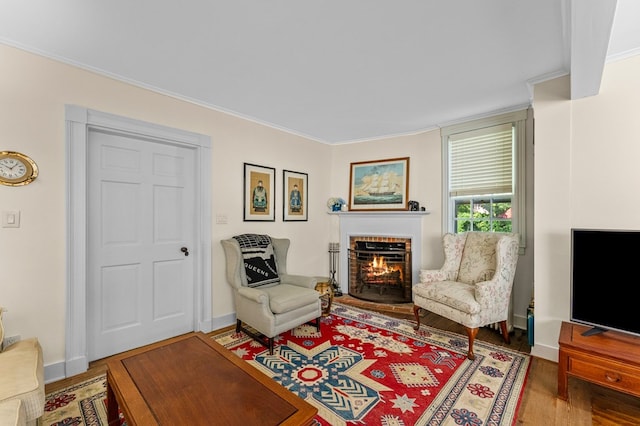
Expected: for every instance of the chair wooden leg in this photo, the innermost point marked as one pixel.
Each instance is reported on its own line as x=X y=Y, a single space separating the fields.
x=505 y=332
x=471 y=332
x=416 y=313
x=258 y=337
x=318 y=323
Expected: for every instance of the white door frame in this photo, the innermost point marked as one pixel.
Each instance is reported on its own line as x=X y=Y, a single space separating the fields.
x=78 y=121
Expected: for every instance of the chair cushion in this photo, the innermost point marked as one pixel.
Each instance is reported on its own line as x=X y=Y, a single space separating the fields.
x=259 y=259
x=12 y=413
x=22 y=375
x=285 y=297
x=478 y=258
x=458 y=295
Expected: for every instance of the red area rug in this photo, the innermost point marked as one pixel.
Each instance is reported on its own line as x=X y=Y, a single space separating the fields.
x=363 y=368
x=367 y=368
x=84 y=403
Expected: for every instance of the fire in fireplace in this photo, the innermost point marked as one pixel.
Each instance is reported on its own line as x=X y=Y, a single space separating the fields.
x=380 y=271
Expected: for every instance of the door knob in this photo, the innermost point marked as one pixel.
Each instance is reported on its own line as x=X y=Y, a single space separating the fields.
x=185 y=251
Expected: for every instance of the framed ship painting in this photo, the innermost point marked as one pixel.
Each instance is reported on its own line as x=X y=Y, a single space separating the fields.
x=259 y=193
x=379 y=185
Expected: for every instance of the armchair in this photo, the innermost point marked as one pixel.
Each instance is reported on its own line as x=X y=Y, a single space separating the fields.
x=22 y=393
x=473 y=287
x=266 y=297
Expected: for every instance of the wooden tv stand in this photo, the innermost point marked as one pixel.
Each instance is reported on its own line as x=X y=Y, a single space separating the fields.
x=608 y=359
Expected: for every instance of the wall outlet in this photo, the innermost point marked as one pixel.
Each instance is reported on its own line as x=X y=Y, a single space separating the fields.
x=8 y=341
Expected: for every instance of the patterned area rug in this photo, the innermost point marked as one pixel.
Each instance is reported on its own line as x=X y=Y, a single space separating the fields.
x=364 y=368
x=80 y=404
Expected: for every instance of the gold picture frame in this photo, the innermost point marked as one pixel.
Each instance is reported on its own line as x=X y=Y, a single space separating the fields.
x=379 y=185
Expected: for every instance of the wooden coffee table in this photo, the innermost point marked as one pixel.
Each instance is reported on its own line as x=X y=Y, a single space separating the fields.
x=191 y=379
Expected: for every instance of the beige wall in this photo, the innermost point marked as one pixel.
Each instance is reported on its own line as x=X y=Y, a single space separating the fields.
x=586 y=170
x=33 y=93
x=425 y=168
x=425 y=186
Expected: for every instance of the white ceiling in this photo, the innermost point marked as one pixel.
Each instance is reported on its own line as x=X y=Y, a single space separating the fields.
x=335 y=71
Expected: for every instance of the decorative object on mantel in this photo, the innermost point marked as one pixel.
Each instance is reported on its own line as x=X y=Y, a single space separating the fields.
x=379 y=185
x=335 y=204
x=334 y=250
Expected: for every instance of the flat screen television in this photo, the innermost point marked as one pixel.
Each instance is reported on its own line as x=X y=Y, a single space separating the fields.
x=605 y=266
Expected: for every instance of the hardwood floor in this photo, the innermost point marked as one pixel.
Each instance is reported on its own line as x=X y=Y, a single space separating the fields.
x=588 y=404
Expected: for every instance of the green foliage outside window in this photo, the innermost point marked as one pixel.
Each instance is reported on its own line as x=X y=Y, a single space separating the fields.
x=483 y=214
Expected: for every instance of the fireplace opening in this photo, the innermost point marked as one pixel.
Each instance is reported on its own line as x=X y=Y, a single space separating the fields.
x=380 y=270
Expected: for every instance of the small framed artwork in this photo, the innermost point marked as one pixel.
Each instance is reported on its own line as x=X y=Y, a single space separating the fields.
x=294 y=196
x=259 y=193
x=379 y=185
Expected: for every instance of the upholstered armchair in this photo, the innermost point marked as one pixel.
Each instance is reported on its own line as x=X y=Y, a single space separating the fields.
x=266 y=296
x=22 y=393
x=473 y=287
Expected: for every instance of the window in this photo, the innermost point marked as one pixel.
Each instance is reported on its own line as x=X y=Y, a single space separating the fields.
x=484 y=174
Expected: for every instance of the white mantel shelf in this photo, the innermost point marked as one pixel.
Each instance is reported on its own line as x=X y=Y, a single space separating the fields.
x=380 y=213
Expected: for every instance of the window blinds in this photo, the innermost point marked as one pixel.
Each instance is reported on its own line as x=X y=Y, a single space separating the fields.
x=481 y=161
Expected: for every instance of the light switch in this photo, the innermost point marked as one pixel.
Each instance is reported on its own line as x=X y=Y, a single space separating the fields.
x=11 y=219
x=221 y=219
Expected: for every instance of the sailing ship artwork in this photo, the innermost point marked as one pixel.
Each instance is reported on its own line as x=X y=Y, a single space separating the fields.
x=379 y=185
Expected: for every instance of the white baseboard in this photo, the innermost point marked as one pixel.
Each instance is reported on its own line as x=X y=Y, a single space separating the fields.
x=223 y=321
x=546 y=352
x=54 y=372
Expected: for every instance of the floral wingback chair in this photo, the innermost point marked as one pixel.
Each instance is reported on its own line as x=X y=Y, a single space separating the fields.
x=473 y=287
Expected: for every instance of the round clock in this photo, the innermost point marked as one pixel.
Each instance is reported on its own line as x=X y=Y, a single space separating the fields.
x=16 y=169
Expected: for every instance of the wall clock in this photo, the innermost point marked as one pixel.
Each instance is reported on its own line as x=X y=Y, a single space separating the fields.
x=16 y=169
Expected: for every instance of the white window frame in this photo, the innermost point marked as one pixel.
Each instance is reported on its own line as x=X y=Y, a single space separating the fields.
x=519 y=120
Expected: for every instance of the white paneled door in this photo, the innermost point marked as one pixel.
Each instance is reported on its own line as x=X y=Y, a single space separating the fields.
x=141 y=203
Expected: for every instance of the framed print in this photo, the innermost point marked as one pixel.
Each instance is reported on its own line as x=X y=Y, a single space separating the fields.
x=259 y=193
x=294 y=196
x=379 y=185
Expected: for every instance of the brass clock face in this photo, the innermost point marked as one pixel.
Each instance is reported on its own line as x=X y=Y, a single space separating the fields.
x=16 y=169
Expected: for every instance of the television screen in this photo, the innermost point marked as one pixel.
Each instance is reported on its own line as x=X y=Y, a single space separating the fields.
x=604 y=280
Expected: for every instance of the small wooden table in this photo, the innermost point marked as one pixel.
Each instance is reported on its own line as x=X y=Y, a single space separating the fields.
x=191 y=379
x=609 y=359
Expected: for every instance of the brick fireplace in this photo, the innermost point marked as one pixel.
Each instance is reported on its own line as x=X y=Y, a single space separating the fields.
x=380 y=269
x=395 y=227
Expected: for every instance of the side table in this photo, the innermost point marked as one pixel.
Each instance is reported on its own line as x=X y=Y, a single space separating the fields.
x=326 y=296
x=609 y=359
